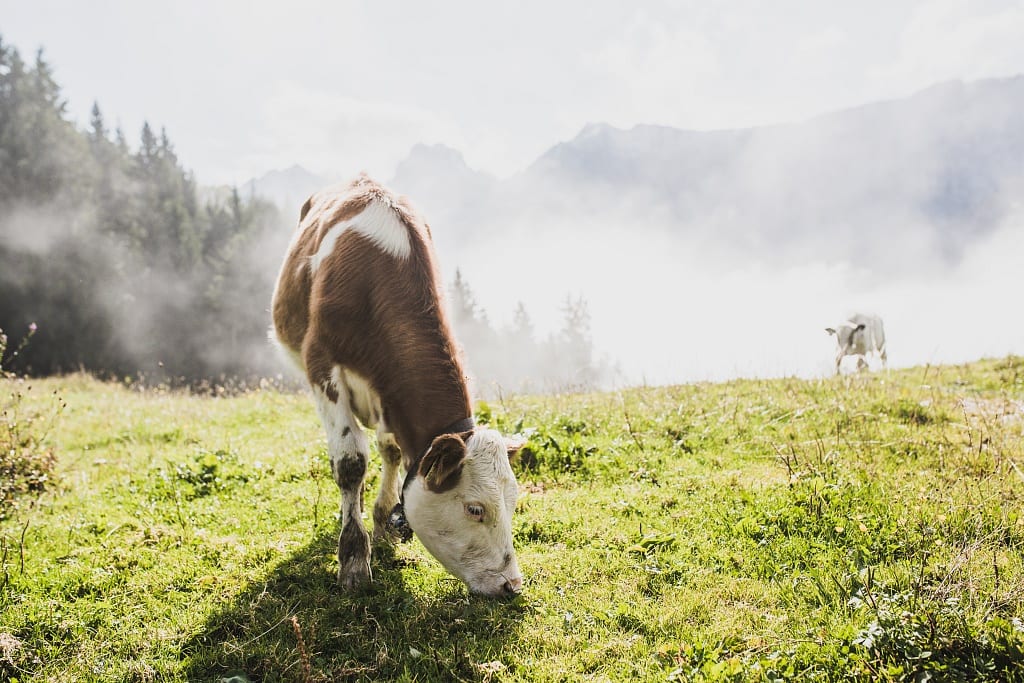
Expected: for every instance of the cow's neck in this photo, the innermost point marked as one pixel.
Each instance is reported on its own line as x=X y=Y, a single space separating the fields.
x=419 y=410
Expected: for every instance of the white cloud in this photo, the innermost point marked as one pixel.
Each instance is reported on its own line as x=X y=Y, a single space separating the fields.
x=658 y=65
x=946 y=39
x=336 y=135
x=500 y=82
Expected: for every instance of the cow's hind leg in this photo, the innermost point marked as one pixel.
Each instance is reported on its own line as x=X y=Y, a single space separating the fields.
x=391 y=458
x=348 y=448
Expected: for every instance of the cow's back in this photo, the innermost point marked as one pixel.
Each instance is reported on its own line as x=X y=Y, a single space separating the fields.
x=874 y=331
x=357 y=252
x=359 y=293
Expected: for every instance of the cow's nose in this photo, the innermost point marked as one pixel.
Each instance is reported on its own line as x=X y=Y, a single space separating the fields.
x=513 y=586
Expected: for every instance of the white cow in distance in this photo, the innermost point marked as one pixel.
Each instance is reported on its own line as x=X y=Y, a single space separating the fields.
x=860 y=335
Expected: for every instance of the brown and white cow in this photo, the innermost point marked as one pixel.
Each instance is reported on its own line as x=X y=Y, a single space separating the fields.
x=358 y=306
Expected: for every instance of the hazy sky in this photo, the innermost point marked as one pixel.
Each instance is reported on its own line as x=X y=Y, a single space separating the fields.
x=246 y=87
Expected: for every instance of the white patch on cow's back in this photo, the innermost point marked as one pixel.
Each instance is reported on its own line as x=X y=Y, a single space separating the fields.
x=379 y=221
x=327 y=245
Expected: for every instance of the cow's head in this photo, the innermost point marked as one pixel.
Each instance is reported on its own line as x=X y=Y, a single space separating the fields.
x=460 y=505
x=844 y=333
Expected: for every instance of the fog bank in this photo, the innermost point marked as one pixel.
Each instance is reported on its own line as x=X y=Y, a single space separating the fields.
x=667 y=311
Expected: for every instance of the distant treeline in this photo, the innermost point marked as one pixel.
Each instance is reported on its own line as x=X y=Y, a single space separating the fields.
x=514 y=359
x=110 y=251
x=126 y=272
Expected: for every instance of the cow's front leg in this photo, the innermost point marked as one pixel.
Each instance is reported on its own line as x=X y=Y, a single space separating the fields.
x=347 y=447
x=387 y=498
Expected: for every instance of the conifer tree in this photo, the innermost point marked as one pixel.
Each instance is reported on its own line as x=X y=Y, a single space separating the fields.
x=574 y=343
x=39 y=146
x=463 y=303
x=147 y=144
x=97 y=128
x=106 y=249
x=522 y=325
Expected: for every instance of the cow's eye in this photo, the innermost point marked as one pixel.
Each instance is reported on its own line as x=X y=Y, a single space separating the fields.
x=475 y=511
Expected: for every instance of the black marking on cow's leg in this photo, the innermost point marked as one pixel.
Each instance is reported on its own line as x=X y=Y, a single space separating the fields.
x=391 y=453
x=349 y=471
x=354 y=542
x=353 y=554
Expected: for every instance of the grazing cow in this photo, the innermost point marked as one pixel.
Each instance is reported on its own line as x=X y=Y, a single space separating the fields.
x=358 y=306
x=859 y=336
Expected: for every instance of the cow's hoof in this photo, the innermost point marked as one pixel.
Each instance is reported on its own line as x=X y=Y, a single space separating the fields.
x=383 y=536
x=382 y=531
x=355 y=574
x=390 y=525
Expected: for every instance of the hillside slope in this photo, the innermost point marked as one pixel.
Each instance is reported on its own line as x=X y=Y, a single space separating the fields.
x=865 y=527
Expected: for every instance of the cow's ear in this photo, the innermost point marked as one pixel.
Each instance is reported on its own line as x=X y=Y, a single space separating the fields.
x=513 y=444
x=306 y=207
x=442 y=464
x=830 y=330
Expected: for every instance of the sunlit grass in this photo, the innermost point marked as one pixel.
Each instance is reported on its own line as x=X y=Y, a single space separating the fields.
x=864 y=527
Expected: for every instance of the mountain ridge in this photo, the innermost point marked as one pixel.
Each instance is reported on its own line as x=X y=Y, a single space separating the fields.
x=916 y=177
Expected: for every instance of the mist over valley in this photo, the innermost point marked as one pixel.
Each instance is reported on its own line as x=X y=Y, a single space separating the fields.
x=709 y=255
x=619 y=256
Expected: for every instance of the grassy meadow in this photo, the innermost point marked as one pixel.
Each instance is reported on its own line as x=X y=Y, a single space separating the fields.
x=863 y=527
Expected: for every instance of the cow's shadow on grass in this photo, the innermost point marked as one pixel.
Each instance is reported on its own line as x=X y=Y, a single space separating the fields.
x=296 y=624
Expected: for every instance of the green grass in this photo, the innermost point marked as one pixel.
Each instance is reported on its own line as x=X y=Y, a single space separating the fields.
x=867 y=527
